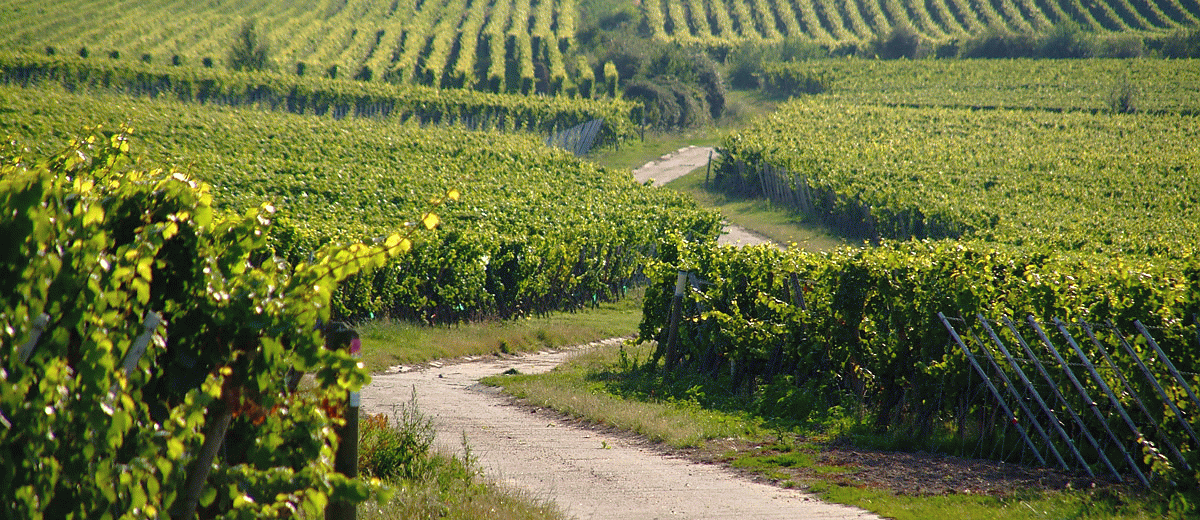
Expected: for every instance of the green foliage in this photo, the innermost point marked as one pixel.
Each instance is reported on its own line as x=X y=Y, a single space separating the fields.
x=398 y=449
x=95 y=244
x=497 y=255
x=901 y=42
x=321 y=96
x=746 y=62
x=1182 y=43
x=1107 y=184
x=249 y=51
x=1171 y=86
x=792 y=79
x=803 y=332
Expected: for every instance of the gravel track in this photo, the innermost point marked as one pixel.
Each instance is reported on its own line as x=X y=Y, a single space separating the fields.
x=588 y=473
x=682 y=162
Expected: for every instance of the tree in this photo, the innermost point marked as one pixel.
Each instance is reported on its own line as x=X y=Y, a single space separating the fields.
x=250 y=50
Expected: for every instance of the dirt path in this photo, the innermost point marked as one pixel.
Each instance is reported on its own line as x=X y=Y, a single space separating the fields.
x=682 y=162
x=588 y=474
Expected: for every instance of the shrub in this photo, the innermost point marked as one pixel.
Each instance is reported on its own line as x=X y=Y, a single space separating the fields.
x=398 y=448
x=1065 y=40
x=249 y=51
x=1121 y=46
x=1123 y=98
x=793 y=79
x=1183 y=43
x=901 y=42
x=997 y=43
x=745 y=62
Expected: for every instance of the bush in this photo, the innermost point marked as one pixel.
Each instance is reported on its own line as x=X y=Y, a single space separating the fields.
x=1121 y=46
x=997 y=44
x=1183 y=43
x=399 y=449
x=1065 y=40
x=793 y=79
x=901 y=42
x=249 y=51
x=1123 y=98
x=745 y=62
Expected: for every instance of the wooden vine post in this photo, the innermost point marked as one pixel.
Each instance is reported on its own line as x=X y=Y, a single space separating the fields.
x=345 y=460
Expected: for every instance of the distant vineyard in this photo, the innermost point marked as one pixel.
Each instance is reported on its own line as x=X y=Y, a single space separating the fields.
x=536 y=229
x=1163 y=86
x=322 y=96
x=514 y=46
x=1107 y=184
x=720 y=22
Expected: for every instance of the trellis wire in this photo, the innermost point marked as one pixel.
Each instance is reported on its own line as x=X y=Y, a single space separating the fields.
x=1018 y=388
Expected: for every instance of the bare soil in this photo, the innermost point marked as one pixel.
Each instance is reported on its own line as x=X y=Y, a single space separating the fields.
x=588 y=472
x=904 y=473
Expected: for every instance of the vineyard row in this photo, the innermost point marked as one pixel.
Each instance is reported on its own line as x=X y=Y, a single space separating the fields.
x=721 y=22
x=322 y=97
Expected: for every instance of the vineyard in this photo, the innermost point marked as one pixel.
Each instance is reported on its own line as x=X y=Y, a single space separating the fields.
x=518 y=46
x=717 y=23
x=321 y=96
x=1108 y=184
x=1159 y=86
x=247 y=204
x=516 y=245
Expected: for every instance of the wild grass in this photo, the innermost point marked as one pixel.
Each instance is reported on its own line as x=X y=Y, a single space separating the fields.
x=579 y=389
x=758 y=215
x=426 y=483
x=614 y=386
x=388 y=343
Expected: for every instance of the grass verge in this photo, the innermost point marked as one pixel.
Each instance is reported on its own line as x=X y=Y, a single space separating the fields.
x=426 y=483
x=611 y=387
x=758 y=215
x=387 y=343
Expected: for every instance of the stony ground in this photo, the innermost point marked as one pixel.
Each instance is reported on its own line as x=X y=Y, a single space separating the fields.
x=589 y=473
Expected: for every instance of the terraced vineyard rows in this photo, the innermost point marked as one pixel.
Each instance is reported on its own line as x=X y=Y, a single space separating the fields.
x=836 y=21
x=1160 y=86
x=520 y=241
x=322 y=96
x=1110 y=184
x=493 y=46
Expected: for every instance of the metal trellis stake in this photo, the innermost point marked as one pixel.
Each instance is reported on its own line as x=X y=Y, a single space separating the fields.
x=984 y=353
x=1016 y=395
x=1087 y=363
x=1083 y=393
x=1162 y=394
x=1037 y=397
x=1162 y=437
x=1012 y=327
x=1008 y=414
x=1166 y=361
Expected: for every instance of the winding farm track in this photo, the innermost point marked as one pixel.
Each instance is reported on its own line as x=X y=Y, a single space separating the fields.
x=682 y=162
x=588 y=474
